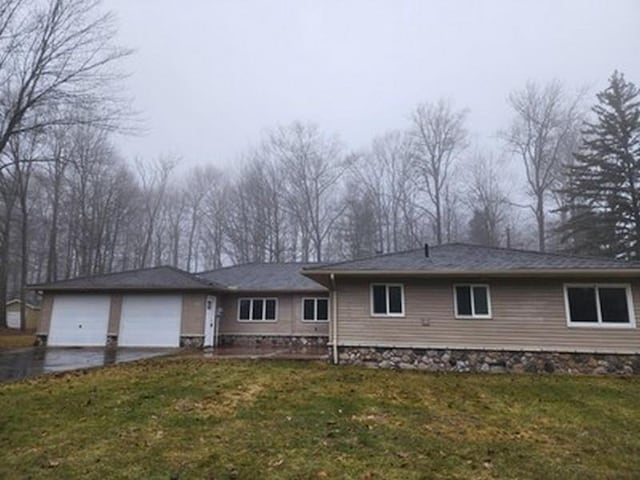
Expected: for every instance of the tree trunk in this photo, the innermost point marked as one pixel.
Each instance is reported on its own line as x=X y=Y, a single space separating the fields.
x=4 y=268
x=541 y=227
x=24 y=260
x=438 y=219
x=52 y=262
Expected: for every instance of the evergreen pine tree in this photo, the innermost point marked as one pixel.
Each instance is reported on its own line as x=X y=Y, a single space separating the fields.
x=603 y=187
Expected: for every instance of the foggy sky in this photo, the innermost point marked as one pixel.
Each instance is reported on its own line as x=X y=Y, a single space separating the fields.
x=209 y=76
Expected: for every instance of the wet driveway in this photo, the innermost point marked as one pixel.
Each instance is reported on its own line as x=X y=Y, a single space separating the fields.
x=29 y=362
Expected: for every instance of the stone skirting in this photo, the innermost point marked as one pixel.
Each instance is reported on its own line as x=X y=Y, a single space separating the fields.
x=272 y=341
x=491 y=361
x=191 y=341
x=112 y=341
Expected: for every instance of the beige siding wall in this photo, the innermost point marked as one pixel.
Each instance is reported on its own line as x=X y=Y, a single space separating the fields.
x=527 y=314
x=193 y=314
x=289 y=317
x=115 y=313
x=45 y=315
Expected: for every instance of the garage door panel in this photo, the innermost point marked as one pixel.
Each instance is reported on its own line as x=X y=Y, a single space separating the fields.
x=150 y=321
x=79 y=320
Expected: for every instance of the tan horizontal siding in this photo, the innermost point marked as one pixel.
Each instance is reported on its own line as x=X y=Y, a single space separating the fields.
x=45 y=317
x=289 y=317
x=193 y=314
x=115 y=312
x=526 y=314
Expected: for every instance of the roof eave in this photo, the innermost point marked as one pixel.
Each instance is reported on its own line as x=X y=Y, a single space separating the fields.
x=559 y=272
x=319 y=289
x=54 y=288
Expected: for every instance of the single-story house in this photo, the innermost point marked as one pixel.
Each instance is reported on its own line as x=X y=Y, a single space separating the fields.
x=465 y=307
x=449 y=307
x=32 y=314
x=168 y=307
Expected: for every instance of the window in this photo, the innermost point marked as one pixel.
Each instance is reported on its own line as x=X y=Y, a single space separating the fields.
x=472 y=301
x=599 y=305
x=387 y=300
x=257 y=309
x=315 y=309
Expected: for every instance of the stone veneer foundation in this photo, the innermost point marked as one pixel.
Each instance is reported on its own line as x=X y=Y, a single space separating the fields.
x=273 y=341
x=490 y=361
x=112 y=341
x=196 y=341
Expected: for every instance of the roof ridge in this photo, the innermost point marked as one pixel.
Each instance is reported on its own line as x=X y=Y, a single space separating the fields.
x=248 y=264
x=194 y=277
x=108 y=274
x=368 y=257
x=537 y=252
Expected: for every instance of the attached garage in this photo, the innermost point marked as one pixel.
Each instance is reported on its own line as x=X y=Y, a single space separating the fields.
x=150 y=320
x=150 y=307
x=79 y=320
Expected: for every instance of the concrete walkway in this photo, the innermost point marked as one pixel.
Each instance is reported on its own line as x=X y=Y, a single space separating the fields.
x=29 y=362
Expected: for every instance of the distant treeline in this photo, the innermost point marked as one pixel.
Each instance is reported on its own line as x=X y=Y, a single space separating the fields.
x=564 y=178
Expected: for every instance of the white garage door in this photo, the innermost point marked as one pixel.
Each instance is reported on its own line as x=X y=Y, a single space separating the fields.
x=150 y=321
x=79 y=320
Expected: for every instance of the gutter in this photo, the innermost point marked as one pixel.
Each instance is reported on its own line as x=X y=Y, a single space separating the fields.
x=617 y=272
x=334 y=316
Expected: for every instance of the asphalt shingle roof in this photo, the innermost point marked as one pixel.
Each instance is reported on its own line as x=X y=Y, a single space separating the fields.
x=263 y=277
x=460 y=257
x=156 y=278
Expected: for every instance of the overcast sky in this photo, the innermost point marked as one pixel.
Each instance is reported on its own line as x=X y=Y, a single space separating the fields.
x=210 y=75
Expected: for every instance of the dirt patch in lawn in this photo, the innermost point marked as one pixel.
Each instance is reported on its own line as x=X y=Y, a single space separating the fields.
x=224 y=404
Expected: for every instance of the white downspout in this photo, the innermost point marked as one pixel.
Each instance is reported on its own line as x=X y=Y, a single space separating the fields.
x=334 y=317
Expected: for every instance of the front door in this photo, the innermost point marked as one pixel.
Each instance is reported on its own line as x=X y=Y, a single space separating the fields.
x=210 y=330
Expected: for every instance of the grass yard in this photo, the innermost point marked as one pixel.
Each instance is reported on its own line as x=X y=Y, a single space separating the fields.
x=181 y=417
x=10 y=338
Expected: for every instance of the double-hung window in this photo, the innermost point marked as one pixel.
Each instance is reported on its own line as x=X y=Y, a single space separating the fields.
x=472 y=301
x=315 y=309
x=257 y=309
x=387 y=299
x=599 y=305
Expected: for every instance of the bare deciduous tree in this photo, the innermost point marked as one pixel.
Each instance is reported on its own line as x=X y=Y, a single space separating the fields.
x=54 y=54
x=384 y=176
x=312 y=165
x=543 y=130
x=154 y=179
x=57 y=61
x=439 y=136
x=487 y=198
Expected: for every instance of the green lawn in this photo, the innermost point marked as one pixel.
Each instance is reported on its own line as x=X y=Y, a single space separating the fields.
x=193 y=418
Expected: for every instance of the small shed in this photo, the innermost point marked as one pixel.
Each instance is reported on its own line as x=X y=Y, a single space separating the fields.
x=32 y=313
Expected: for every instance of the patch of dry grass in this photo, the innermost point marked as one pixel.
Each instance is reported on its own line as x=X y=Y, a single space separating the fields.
x=11 y=338
x=193 y=418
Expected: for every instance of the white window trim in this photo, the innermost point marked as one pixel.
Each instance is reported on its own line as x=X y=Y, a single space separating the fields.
x=315 y=310
x=264 y=310
x=473 y=315
x=387 y=285
x=599 y=323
